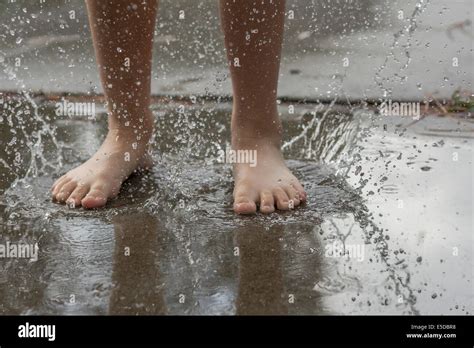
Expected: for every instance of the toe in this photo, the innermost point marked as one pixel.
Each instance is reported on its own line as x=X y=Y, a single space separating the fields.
x=281 y=198
x=244 y=201
x=57 y=187
x=60 y=179
x=65 y=191
x=77 y=195
x=301 y=191
x=293 y=195
x=95 y=198
x=267 y=204
x=245 y=208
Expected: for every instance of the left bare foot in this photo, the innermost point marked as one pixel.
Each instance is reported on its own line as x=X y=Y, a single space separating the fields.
x=269 y=184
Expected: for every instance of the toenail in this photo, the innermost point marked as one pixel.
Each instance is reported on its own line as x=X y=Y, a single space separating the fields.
x=291 y=204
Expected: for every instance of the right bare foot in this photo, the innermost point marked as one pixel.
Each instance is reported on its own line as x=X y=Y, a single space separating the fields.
x=99 y=179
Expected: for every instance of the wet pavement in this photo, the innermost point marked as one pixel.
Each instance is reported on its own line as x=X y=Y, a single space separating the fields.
x=363 y=49
x=387 y=229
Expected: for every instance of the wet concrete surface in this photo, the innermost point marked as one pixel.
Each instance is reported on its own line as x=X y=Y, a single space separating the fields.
x=366 y=49
x=387 y=228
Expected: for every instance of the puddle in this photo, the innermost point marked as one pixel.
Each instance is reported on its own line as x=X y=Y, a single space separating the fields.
x=170 y=242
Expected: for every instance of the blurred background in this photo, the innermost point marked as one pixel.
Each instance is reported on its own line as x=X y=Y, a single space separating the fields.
x=366 y=49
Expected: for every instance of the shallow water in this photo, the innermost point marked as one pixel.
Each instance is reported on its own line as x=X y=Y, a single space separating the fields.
x=170 y=242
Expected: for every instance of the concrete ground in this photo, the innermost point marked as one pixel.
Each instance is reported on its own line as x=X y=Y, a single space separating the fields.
x=387 y=228
x=356 y=50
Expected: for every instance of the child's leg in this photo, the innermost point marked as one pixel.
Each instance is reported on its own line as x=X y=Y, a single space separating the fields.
x=123 y=35
x=253 y=32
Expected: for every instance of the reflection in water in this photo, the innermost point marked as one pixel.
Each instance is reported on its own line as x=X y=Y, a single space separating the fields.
x=278 y=268
x=270 y=280
x=136 y=274
x=261 y=286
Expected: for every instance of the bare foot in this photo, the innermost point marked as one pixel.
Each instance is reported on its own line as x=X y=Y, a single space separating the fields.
x=99 y=179
x=269 y=184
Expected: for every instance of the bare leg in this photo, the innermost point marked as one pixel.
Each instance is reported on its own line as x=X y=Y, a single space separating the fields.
x=253 y=32
x=123 y=39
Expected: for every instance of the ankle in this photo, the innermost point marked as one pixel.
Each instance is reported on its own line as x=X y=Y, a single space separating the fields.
x=252 y=132
x=139 y=127
x=243 y=140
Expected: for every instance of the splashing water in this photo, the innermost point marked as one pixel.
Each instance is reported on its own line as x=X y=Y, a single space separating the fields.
x=29 y=128
x=405 y=33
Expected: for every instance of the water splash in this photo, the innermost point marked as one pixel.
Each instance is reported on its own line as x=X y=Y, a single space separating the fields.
x=406 y=32
x=29 y=127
